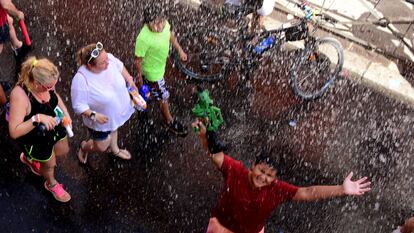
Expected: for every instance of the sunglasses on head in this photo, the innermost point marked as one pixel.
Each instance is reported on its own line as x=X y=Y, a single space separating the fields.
x=96 y=51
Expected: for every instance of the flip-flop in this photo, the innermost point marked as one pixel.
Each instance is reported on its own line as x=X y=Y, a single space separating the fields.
x=82 y=156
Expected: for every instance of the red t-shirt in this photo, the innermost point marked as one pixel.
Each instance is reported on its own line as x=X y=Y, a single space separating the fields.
x=3 y=16
x=241 y=208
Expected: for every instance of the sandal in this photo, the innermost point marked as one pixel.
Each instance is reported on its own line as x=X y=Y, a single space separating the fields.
x=82 y=156
x=123 y=154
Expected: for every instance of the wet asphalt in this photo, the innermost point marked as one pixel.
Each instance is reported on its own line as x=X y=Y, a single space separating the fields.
x=170 y=185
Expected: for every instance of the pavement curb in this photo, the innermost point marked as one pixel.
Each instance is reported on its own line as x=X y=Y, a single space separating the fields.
x=363 y=70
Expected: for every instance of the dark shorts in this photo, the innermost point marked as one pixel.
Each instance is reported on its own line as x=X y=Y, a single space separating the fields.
x=4 y=34
x=158 y=89
x=42 y=151
x=98 y=135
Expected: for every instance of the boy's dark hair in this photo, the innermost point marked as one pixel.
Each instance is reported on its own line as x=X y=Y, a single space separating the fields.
x=266 y=156
x=153 y=12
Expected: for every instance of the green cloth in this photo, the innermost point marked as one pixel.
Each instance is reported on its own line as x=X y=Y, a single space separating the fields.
x=153 y=48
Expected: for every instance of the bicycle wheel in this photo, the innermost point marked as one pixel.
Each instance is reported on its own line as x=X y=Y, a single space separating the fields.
x=317 y=67
x=209 y=55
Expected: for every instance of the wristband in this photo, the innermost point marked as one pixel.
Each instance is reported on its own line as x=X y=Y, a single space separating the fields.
x=35 y=120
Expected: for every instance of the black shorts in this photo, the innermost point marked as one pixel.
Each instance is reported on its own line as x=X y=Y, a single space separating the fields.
x=42 y=151
x=4 y=34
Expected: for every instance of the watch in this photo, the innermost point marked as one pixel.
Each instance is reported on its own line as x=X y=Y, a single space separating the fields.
x=93 y=116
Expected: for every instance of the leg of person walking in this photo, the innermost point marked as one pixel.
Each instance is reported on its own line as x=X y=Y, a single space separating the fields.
x=122 y=153
x=47 y=169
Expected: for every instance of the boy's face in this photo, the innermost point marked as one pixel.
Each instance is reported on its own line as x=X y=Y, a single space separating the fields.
x=157 y=25
x=262 y=175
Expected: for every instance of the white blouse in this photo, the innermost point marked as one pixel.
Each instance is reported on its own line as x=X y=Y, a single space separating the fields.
x=103 y=92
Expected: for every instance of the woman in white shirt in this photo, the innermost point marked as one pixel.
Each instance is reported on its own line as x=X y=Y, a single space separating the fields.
x=99 y=93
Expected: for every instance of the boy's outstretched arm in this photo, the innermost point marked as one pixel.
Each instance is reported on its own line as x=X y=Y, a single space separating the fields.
x=217 y=158
x=177 y=46
x=349 y=187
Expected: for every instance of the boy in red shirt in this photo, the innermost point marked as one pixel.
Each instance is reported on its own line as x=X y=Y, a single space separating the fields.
x=249 y=196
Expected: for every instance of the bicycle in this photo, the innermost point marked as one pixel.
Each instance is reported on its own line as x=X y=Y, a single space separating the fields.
x=213 y=54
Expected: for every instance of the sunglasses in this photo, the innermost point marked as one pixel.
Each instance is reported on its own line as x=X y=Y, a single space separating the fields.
x=96 y=51
x=49 y=88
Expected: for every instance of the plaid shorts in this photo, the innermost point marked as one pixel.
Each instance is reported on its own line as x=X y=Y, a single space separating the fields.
x=158 y=89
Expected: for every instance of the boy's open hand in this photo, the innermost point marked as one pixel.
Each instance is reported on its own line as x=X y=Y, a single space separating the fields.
x=359 y=187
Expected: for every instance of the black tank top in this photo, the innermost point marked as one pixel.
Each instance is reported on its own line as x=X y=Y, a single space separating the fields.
x=37 y=136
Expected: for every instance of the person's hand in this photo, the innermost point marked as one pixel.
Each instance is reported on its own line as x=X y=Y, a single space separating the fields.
x=183 y=55
x=197 y=124
x=67 y=116
x=101 y=118
x=20 y=15
x=359 y=187
x=49 y=121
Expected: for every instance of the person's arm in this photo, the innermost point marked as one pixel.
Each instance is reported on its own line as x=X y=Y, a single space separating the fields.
x=11 y=8
x=79 y=96
x=62 y=106
x=177 y=46
x=128 y=78
x=19 y=104
x=138 y=67
x=3 y=98
x=217 y=158
x=348 y=187
x=18 y=107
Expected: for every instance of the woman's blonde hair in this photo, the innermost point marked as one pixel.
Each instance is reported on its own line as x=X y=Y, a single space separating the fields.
x=41 y=70
x=84 y=54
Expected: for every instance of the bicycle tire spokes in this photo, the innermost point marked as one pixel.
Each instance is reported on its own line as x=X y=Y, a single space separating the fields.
x=207 y=60
x=317 y=68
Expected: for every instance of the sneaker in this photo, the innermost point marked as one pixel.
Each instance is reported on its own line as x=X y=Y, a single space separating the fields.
x=33 y=165
x=58 y=192
x=177 y=128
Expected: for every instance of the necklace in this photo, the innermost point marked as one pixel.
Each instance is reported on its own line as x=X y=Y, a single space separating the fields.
x=42 y=97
